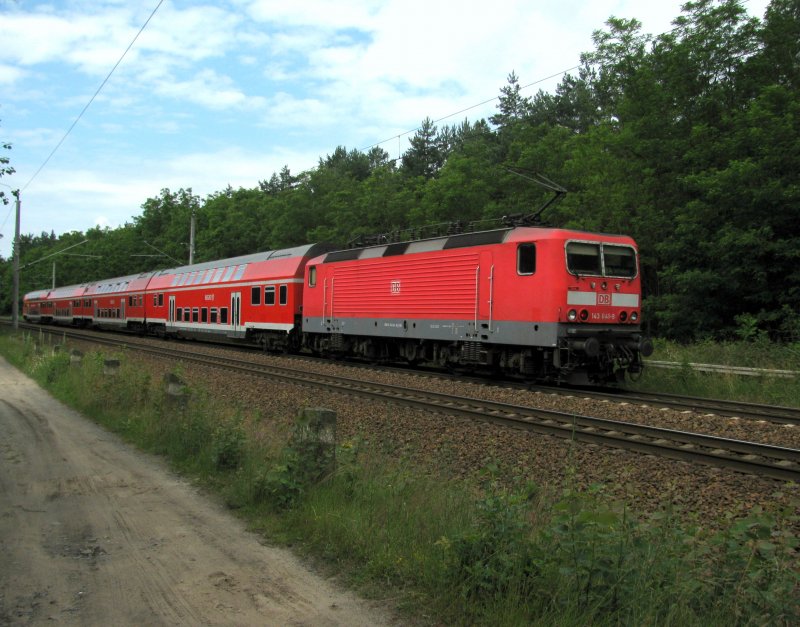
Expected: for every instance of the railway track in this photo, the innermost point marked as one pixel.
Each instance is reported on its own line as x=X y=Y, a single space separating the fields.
x=720 y=407
x=774 y=462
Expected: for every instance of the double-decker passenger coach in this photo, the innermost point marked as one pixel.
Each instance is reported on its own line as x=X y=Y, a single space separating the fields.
x=257 y=298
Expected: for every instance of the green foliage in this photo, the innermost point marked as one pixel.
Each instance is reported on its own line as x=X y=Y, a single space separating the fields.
x=496 y=557
x=303 y=463
x=512 y=555
x=228 y=440
x=756 y=351
x=688 y=141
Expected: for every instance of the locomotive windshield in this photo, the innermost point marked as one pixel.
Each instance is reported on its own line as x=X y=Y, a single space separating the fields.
x=594 y=259
x=619 y=261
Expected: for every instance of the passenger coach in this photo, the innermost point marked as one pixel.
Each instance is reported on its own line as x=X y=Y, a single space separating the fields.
x=256 y=297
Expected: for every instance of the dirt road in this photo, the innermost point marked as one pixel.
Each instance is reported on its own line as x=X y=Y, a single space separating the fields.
x=93 y=532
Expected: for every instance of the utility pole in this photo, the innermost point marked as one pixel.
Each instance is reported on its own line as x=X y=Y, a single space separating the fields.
x=191 y=239
x=15 y=310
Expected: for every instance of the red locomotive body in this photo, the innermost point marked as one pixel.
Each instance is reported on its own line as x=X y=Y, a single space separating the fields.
x=557 y=304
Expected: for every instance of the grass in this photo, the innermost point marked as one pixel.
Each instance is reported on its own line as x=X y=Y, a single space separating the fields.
x=757 y=389
x=487 y=551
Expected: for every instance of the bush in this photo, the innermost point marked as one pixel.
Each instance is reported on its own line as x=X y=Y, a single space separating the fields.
x=228 y=441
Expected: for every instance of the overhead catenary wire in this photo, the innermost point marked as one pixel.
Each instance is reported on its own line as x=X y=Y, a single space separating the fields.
x=91 y=100
x=470 y=108
x=394 y=137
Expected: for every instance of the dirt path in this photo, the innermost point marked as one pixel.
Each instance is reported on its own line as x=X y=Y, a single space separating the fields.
x=93 y=532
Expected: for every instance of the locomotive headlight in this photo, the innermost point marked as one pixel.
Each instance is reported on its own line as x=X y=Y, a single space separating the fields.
x=572 y=316
x=584 y=315
x=623 y=316
x=634 y=316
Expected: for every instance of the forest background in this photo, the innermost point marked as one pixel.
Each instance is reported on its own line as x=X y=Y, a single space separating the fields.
x=688 y=141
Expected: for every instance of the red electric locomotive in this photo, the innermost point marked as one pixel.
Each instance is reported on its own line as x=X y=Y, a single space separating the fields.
x=545 y=303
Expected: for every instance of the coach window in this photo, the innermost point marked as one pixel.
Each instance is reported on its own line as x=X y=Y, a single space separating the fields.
x=204 y=314
x=223 y=315
x=255 y=295
x=195 y=315
x=312 y=276
x=178 y=314
x=269 y=295
x=155 y=300
x=213 y=315
x=283 y=294
x=526 y=259
x=160 y=300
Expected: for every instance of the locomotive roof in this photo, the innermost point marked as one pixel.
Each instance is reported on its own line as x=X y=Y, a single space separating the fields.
x=461 y=240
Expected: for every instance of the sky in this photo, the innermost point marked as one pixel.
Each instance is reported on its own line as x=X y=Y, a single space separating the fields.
x=227 y=92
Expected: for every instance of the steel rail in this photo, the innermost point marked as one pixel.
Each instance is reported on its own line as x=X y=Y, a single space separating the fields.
x=736 y=409
x=778 y=463
x=750 y=411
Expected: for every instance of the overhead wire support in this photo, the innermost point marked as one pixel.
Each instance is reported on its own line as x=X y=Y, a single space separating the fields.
x=92 y=99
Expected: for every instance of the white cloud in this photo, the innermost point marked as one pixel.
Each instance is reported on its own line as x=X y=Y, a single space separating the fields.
x=209 y=89
x=10 y=74
x=228 y=92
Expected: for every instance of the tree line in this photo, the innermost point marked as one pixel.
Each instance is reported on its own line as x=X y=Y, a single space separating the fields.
x=688 y=141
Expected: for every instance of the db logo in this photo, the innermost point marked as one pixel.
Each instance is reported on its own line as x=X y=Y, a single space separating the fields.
x=604 y=299
x=395 y=287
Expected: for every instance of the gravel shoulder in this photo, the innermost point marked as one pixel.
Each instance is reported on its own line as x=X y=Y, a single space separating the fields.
x=93 y=532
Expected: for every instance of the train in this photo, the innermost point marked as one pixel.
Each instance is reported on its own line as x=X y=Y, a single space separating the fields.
x=532 y=302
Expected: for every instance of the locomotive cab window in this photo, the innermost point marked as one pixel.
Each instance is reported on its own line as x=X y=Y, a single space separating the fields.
x=619 y=261
x=526 y=259
x=312 y=276
x=583 y=258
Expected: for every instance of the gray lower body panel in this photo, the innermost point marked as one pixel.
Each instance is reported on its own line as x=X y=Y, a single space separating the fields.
x=543 y=334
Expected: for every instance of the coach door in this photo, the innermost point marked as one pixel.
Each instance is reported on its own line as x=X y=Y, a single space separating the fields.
x=236 y=306
x=484 y=293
